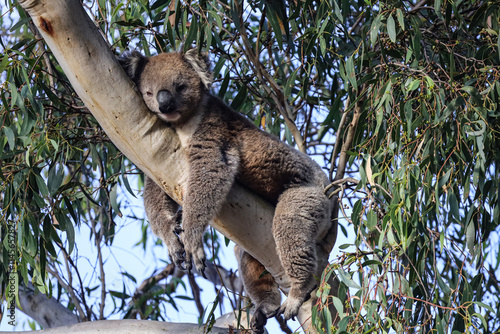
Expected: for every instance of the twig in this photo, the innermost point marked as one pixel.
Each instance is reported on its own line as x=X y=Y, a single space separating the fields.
x=81 y=314
x=276 y=92
x=195 y=289
x=338 y=183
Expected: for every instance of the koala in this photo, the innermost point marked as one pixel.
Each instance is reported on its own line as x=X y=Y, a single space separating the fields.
x=223 y=147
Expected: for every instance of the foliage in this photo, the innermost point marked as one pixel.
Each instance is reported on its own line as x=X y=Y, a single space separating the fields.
x=414 y=85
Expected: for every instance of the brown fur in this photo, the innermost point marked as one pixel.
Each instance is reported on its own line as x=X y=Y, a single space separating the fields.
x=224 y=147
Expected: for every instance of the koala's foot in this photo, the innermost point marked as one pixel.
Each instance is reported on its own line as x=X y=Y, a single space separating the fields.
x=296 y=297
x=174 y=245
x=176 y=251
x=259 y=319
x=195 y=255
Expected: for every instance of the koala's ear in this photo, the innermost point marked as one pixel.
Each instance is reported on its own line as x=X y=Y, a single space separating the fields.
x=201 y=64
x=133 y=63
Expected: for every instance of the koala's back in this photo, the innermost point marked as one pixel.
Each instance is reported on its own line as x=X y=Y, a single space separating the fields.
x=268 y=166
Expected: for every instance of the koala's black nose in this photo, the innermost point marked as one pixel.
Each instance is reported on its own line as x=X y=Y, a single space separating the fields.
x=165 y=101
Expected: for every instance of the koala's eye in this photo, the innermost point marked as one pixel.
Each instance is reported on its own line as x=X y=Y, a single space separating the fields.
x=149 y=94
x=181 y=88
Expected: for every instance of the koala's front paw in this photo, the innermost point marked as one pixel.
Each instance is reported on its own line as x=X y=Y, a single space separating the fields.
x=194 y=254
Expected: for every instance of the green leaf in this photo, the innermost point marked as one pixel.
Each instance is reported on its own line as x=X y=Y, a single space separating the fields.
x=20 y=23
x=413 y=85
x=240 y=98
x=471 y=237
x=442 y=285
x=437 y=7
x=337 y=11
x=371 y=262
x=328 y=320
x=375 y=27
x=276 y=24
x=157 y=4
x=371 y=219
x=391 y=28
x=44 y=191
x=430 y=82
x=483 y=321
x=454 y=209
x=10 y=137
x=55 y=178
x=391 y=239
x=356 y=212
x=113 y=201
x=69 y=206
x=290 y=84
x=192 y=33
x=351 y=73
x=344 y=277
x=322 y=45
x=482 y=129
x=498 y=47
x=401 y=19
x=486 y=306
x=66 y=225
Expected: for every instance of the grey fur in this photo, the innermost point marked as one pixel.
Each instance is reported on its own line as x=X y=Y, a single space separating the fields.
x=222 y=147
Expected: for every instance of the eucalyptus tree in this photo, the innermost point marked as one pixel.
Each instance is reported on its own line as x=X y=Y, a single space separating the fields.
x=399 y=100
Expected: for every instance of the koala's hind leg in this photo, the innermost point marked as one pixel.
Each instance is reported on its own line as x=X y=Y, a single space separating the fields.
x=164 y=216
x=300 y=212
x=261 y=287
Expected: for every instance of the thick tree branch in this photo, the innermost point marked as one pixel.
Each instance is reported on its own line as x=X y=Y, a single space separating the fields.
x=48 y=312
x=130 y=326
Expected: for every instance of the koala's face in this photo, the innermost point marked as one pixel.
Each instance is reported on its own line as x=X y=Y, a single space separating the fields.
x=172 y=84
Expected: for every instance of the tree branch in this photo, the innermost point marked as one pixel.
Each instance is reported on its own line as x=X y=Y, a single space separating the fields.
x=48 y=312
x=134 y=327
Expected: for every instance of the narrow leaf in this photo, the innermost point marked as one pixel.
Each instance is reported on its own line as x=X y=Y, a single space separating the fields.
x=391 y=28
x=351 y=73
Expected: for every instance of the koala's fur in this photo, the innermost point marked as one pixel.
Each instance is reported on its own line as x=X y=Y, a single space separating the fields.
x=223 y=147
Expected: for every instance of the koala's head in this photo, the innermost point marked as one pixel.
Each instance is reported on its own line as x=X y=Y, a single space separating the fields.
x=172 y=84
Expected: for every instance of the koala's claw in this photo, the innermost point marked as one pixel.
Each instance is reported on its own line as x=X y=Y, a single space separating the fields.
x=178 y=229
x=203 y=274
x=290 y=308
x=180 y=265
x=202 y=268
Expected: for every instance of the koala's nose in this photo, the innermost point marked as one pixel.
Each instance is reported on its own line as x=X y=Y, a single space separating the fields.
x=165 y=101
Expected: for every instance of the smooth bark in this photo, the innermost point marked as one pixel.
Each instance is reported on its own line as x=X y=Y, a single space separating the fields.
x=129 y=326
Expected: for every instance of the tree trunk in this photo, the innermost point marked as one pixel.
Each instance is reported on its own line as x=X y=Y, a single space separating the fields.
x=112 y=98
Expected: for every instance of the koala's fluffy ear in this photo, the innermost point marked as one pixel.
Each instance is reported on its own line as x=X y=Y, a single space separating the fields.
x=201 y=64
x=133 y=63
